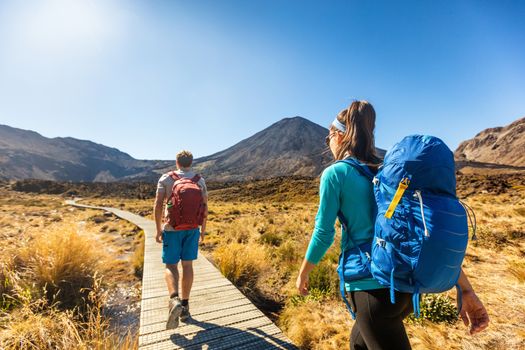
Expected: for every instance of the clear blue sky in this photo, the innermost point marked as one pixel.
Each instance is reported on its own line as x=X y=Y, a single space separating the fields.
x=152 y=77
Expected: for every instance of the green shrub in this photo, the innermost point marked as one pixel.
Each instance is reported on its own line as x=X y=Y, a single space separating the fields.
x=287 y=252
x=436 y=308
x=271 y=238
x=324 y=278
x=314 y=295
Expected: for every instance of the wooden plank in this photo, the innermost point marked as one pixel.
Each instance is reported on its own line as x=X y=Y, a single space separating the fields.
x=198 y=325
x=217 y=337
x=196 y=305
x=237 y=313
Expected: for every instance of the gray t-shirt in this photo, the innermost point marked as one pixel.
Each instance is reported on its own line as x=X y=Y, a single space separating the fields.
x=165 y=186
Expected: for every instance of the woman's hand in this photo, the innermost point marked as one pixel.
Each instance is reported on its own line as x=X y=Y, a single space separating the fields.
x=473 y=312
x=302 y=284
x=302 y=281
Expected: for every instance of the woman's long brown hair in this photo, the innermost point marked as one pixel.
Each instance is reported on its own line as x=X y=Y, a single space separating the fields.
x=358 y=140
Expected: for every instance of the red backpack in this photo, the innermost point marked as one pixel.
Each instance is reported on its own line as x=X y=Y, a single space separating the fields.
x=185 y=207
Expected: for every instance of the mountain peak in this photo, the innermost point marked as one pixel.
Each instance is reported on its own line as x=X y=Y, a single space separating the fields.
x=296 y=121
x=291 y=146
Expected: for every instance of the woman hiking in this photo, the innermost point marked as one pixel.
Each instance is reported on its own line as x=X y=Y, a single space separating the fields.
x=379 y=323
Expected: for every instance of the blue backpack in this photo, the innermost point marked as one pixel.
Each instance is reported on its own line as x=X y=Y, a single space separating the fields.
x=421 y=228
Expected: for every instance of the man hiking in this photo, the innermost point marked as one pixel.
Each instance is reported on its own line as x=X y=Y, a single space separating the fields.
x=180 y=208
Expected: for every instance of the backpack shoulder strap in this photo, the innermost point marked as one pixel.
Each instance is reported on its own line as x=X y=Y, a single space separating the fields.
x=174 y=175
x=196 y=178
x=361 y=168
x=344 y=222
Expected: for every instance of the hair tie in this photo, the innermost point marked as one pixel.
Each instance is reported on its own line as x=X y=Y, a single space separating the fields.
x=338 y=125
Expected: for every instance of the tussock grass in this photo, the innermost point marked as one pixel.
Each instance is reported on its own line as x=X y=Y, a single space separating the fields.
x=317 y=325
x=138 y=256
x=10 y=283
x=39 y=325
x=63 y=265
x=241 y=264
x=282 y=229
x=517 y=268
x=51 y=266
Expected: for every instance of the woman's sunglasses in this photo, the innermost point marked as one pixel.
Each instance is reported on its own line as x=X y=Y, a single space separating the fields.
x=328 y=138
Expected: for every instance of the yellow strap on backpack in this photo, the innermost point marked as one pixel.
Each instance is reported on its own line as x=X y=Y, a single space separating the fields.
x=403 y=185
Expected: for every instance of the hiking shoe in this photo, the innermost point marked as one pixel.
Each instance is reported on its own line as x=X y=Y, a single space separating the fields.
x=175 y=309
x=185 y=314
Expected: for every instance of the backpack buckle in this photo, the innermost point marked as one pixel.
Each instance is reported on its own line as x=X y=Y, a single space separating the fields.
x=380 y=242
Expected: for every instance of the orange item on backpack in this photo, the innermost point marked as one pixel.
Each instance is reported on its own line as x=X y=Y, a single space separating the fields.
x=185 y=207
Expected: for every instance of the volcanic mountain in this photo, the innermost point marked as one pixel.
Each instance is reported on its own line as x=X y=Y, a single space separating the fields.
x=499 y=147
x=292 y=146
x=26 y=154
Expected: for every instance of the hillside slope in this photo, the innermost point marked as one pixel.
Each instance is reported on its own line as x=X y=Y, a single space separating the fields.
x=26 y=154
x=501 y=146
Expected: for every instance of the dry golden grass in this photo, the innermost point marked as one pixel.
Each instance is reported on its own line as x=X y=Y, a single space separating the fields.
x=63 y=265
x=50 y=269
x=317 y=325
x=281 y=230
x=240 y=263
x=494 y=264
x=37 y=325
x=138 y=256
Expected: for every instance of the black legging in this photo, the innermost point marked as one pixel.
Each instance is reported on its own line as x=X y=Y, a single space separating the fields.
x=379 y=323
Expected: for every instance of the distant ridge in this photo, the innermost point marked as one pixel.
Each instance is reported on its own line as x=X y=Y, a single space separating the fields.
x=290 y=147
x=26 y=154
x=496 y=148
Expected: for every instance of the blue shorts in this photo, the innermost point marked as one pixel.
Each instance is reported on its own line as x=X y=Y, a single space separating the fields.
x=180 y=245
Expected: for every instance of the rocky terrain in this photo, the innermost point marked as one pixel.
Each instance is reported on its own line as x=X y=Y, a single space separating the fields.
x=495 y=146
x=278 y=189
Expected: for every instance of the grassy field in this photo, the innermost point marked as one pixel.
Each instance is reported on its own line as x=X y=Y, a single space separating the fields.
x=64 y=274
x=258 y=234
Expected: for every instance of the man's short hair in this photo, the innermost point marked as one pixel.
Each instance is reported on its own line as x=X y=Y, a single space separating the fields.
x=184 y=159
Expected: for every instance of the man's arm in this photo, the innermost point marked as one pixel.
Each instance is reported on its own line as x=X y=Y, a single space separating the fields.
x=472 y=312
x=158 y=208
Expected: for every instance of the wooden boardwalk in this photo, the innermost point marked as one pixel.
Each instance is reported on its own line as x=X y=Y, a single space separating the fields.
x=222 y=317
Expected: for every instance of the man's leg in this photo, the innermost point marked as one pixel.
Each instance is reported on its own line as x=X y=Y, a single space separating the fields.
x=187 y=278
x=171 y=275
x=171 y=256
x=190 y=247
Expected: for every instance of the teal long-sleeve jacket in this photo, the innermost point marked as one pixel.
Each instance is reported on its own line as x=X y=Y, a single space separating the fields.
x=342 y=187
